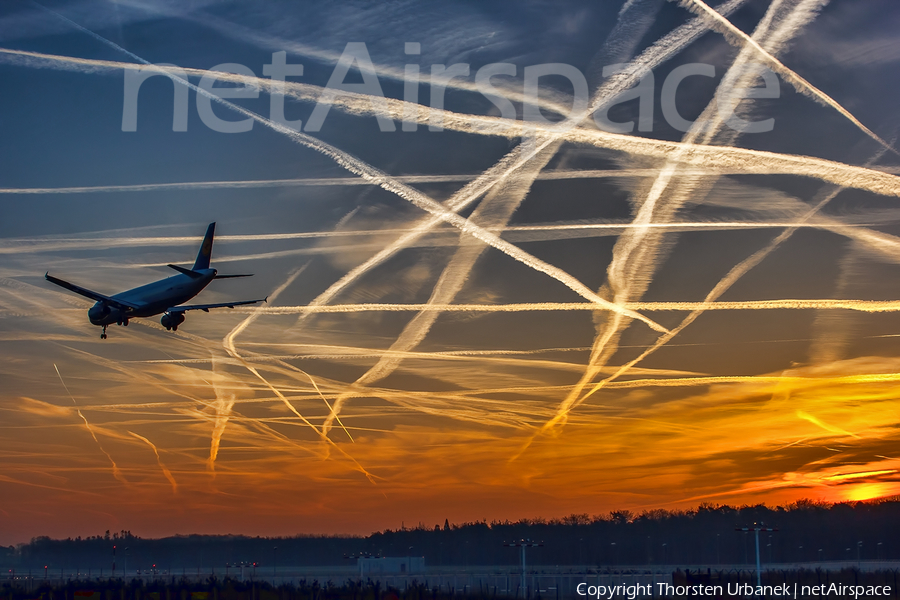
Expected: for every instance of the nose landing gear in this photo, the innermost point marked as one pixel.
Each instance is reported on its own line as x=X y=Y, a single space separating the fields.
x=103 y=335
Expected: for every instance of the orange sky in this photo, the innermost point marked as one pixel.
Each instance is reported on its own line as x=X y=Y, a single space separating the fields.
x=415 y=456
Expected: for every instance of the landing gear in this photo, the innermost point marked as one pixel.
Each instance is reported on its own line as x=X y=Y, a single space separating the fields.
x=103 y=335
x=171 y=320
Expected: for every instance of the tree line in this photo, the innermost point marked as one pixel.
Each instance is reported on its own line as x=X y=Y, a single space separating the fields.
x=807 y=531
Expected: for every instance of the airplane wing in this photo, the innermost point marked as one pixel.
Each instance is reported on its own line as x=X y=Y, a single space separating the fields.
x=206 y=307
x=120 y=304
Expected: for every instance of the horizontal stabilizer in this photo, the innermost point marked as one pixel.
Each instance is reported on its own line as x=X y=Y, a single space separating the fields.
x=206 y=307
x=123 y=305
x=232 y=276
x=188 y=272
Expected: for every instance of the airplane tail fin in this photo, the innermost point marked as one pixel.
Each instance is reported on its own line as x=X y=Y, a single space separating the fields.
x=205 y=253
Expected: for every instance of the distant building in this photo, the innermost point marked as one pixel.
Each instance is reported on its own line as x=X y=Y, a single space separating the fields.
x=391 y=565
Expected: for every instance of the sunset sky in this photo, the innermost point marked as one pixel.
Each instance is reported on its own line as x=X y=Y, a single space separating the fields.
x=487 y=321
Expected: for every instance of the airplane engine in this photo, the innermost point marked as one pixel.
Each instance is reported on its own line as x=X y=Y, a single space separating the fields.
x=171 y=320
x=98 y=313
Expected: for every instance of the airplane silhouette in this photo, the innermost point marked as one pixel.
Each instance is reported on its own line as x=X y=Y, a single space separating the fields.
x=165 y=296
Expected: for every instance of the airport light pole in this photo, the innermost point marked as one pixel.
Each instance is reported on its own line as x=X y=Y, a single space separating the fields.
x=757 y=527
x=523 y=544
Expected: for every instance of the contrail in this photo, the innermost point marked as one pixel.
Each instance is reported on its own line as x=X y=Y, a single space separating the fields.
x=500 y=357
x=730 y=32
x=869 y=306
x=224 y=403
x=115 y=469
x=385 y=181
x=635 y=253
x=733 y=275
x=555 y=103
x=228 y=343
x=441 y=213
x=760 y=379
x=414 y=335
x=494 y=211
x=720 y=157
x=563 y=174
x=819 y=423
x=366 y=171
x=831 y=331
x=882 y=243
x=354 y=274
x=166 y=472
x=652 y=57
x=496 y=208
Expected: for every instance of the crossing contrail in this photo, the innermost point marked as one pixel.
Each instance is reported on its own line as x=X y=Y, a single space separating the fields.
x=698 y=156
x=115 y=468
x=368 y=172
x=636 y=252
x=494 y=211
x=725 y=283
x=229 y=343
x=521 y=402
x=738 y=37
x=224 y=403
x=555 y=101
x=166 y=472
x=512 y=161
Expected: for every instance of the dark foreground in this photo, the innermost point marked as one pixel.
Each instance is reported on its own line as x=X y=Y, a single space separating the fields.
x=725 y=584
x=227 y=589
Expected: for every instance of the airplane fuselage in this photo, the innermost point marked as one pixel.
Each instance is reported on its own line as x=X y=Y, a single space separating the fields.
x=166 y=296
x=153 y=298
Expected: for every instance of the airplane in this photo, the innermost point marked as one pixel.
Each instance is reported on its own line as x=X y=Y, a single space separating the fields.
x=165 y=296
